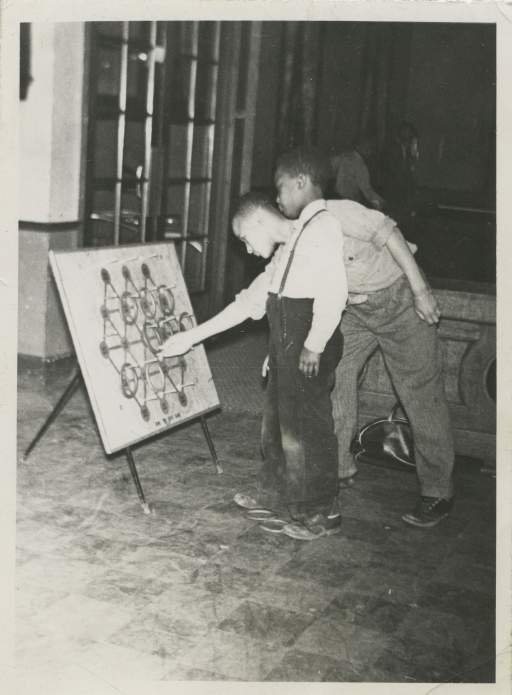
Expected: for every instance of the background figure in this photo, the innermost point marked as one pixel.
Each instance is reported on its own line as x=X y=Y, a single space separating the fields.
x=398 y=167
x=352 y=179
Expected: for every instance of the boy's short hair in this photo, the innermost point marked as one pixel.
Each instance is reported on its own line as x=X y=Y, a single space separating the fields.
x=309 y=161
x=252 y=201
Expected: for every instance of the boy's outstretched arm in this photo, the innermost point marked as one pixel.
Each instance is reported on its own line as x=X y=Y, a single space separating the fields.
x=249 y=303
x=182 y=342
x=425 y=303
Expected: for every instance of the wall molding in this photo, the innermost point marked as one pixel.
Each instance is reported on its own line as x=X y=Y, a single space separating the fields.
x=28 y=226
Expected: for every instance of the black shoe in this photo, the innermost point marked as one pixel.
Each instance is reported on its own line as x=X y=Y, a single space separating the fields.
x=429 y=512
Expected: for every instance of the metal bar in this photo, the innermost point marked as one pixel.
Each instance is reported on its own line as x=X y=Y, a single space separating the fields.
x=148 y=130
x=92 y=69
x=216 y=45
x=250 y=106
x=135 y=477
x=121 y=128
x=211 y=445
x=223 y=153
x=190 y=136
x=196 y=179
x=194 y=55
x=156 y=193
x=68 y=392
x=211 y=141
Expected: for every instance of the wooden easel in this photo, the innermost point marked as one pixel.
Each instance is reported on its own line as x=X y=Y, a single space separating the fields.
x=59 y=406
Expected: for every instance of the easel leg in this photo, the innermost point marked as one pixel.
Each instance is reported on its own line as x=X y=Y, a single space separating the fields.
x=135 y=476
x=70 y=389
x=211 y=446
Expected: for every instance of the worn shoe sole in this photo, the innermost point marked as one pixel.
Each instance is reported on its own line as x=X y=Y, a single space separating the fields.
x=421 y=523
x=301 y=533
x=273 y=525
x=260 y=514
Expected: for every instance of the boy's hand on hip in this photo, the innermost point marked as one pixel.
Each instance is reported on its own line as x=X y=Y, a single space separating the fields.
x=309 y=362
x=426 y=307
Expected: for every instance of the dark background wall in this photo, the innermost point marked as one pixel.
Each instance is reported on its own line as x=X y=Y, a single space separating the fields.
x=442 y=77
x=439 y=76
x=327 y=83
x=451 y=98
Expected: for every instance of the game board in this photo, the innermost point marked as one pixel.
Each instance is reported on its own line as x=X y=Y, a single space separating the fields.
x=121 y=304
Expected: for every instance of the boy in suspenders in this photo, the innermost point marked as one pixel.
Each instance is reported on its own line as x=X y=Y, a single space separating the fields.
x=390 y=304
x=303 y=291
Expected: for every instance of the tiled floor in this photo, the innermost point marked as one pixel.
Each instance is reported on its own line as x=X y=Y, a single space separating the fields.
x=196 y=591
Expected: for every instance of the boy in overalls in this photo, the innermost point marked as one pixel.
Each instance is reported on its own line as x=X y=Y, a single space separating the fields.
x=303 y=291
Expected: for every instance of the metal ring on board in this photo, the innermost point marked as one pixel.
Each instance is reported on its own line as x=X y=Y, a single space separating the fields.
x=167 y=329
x=129 y=308
x=148 y=304
x=166 y=300
x=152 y=336
x=129 y=380
x=153 y=371
x=186 y=321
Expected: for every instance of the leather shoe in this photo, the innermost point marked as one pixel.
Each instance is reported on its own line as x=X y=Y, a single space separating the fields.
x=429 y=512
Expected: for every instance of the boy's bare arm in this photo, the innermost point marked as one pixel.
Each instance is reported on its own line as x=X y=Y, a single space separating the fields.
x=250 y=303
x=181 y=343
x=424 y=301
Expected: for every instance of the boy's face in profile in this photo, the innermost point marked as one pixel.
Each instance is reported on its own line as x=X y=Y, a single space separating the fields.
x=254 y=231
x=290 y=194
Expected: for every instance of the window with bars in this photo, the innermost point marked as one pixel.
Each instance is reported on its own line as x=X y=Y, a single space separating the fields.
x=189 y=134
x=126 y=60
x=170 y=134
x=153 y=96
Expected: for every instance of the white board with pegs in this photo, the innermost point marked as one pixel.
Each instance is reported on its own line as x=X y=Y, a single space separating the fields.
x=121 y=303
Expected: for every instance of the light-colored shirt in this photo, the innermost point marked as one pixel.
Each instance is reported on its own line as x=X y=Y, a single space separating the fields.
x=317 y=272
x=369 y=265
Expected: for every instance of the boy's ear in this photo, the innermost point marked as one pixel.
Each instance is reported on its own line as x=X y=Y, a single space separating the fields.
x=302 y=180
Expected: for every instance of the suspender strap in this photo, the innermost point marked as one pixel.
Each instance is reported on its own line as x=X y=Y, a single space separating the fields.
x=292 y=252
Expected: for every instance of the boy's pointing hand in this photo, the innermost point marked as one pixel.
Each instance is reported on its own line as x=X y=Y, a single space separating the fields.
x=177 y=344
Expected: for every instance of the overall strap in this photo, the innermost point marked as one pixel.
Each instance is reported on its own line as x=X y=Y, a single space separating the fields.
x=292 y=252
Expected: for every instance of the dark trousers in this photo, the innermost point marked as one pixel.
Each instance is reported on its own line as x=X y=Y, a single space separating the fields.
x=299 y=446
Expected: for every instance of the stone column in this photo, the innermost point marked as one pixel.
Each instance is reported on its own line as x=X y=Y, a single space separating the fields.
x=50 y=152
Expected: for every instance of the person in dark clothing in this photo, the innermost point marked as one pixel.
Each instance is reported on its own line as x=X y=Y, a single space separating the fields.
x=398 y=173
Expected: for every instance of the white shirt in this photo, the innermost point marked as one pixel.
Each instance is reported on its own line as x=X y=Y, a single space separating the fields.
x=317 y=272
x=369 y=264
